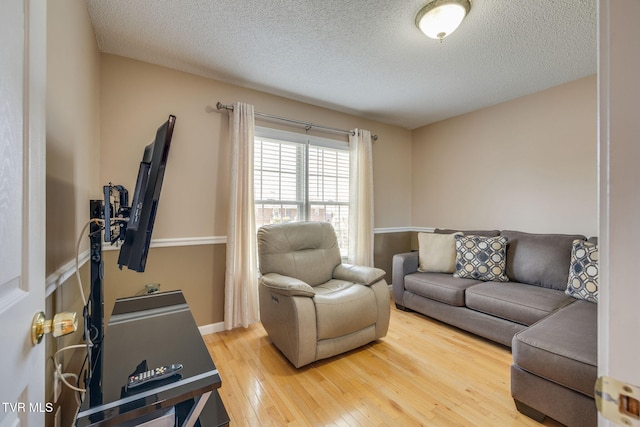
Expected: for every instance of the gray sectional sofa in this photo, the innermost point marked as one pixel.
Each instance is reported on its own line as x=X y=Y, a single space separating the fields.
x=553 y=336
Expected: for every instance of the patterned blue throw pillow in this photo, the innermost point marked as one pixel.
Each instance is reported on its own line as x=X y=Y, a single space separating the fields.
x=583 y=273
x=481 y=258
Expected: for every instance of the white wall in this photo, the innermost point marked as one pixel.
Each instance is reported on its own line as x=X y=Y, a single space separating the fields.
x=619 y=293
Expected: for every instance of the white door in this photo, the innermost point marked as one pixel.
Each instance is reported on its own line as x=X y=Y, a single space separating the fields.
x=619 y=124
x=22 y=209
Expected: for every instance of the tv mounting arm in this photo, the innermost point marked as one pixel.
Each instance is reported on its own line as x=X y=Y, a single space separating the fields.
x=115 y=216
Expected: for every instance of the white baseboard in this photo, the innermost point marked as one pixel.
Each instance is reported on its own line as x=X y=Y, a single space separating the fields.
x=211 y=328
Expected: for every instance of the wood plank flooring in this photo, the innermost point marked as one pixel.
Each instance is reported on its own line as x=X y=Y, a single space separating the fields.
x=423 y=373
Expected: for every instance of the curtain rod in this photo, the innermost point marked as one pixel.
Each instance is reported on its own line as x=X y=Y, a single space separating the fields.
x=307 y=125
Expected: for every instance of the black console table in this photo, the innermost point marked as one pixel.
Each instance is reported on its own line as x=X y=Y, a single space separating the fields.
x=146 y=332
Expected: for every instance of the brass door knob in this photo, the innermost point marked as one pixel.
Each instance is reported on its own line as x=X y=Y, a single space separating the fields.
x=62 y=324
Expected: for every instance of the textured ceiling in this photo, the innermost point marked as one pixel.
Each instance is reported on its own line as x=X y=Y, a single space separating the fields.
x=364 y=57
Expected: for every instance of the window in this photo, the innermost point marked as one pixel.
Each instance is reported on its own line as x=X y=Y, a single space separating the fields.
x=301 y=178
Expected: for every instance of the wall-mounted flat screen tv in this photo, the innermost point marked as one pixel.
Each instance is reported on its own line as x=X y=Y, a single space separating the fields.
x=134 y=250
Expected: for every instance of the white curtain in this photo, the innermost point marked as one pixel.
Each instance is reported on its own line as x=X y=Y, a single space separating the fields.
x=241 y=279
x=361 y=198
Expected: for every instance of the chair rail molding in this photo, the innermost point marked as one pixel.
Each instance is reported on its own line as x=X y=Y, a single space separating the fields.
x=65 y=271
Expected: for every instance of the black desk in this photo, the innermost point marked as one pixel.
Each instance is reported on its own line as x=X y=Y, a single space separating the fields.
x=160 y=330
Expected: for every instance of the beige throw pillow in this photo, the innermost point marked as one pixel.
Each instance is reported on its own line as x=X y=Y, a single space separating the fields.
x=437 y=252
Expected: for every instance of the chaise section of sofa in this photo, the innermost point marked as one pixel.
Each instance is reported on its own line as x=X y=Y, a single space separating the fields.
x=555 y=366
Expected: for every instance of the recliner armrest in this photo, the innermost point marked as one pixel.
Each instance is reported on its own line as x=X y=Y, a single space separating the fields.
x=358 y=274
x=285 y=285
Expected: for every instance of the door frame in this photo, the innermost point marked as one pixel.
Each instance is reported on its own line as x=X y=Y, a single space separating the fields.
x=619 y=195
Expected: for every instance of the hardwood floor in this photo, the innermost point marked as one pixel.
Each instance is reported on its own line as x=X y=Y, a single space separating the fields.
x=422 y=373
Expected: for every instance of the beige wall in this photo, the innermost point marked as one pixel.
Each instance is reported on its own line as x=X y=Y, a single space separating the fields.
x=529 y=164
x=72 y=177
x=137 y=97
x=73 y=125
x=196 y=270
x=386 y=245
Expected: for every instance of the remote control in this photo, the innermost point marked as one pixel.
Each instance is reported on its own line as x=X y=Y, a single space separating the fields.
x=153 y=375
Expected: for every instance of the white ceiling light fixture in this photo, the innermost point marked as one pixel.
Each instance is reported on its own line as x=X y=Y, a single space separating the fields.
x=439 y=18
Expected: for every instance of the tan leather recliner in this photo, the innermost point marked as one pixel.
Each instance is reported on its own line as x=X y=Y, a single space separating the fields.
x=311 y=304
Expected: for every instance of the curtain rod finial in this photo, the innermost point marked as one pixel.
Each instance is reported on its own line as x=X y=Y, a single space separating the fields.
x=221 y=106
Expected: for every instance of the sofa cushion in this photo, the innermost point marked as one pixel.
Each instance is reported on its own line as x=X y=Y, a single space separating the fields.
x=481 y=258
x=439 y=287
x=562 y=348
x=539 y=259
x=517 y=302
x=583 y=273
x=437 y=252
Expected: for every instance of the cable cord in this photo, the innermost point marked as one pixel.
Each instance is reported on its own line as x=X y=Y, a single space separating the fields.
x=77 y=394
x=62 y=375
x=97 y=221
x=84 y=229
x=89 y=340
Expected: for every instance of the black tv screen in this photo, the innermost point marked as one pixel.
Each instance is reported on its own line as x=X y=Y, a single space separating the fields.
x=134 y=250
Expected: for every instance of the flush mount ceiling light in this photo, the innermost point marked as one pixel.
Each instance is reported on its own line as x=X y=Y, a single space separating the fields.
x=439 y=18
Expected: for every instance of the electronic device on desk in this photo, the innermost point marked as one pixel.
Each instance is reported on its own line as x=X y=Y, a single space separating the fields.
x=131 y=226
x=149 y=377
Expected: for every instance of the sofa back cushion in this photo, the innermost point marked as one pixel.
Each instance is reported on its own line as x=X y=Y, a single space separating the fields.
x=539 y=259
x=485 y=233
